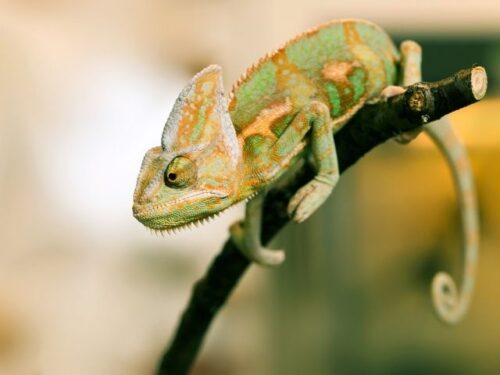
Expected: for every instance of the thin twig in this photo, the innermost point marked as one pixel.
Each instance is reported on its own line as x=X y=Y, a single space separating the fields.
x=371 y=126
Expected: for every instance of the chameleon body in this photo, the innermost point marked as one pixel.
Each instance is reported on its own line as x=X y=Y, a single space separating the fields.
x=216 y=152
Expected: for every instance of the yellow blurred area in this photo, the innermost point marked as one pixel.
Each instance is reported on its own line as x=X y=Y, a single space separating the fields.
x=478 y=124
x=85 y=88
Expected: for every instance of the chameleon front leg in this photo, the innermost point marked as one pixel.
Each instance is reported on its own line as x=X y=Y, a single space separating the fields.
x=312 y=195
x=314 y=117
x=246 y=235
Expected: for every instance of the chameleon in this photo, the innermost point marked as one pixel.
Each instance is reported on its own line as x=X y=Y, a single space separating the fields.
x=218 y=150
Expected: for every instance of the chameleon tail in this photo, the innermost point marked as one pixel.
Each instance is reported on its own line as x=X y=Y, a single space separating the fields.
x=450 y=303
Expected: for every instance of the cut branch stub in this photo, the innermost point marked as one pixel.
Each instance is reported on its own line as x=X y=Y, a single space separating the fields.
x=425 y=102
x=464 y=88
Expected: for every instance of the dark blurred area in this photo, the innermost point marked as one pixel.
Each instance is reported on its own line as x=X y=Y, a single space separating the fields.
x=85 y=289
x=445 y=54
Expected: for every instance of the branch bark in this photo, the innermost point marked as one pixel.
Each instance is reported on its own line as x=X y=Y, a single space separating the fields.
x=371 y=126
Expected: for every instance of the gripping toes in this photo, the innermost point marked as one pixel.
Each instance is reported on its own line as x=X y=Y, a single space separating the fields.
x=309 y=197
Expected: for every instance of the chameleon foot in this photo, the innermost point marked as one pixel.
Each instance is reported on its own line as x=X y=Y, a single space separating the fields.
x=251 y=247
x=309 y=197
x=392 y=90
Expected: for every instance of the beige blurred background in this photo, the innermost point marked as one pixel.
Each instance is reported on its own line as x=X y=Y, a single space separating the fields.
x=85 y=88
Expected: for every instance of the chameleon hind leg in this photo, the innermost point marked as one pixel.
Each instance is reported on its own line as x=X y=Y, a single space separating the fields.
x=314 y=117
x=246 y=235
x=410 y=73
x=308 y=198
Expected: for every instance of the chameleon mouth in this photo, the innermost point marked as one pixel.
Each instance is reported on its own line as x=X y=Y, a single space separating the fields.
x=156 y=225
x=192 y=223
x=166 y=217
x=188 y=225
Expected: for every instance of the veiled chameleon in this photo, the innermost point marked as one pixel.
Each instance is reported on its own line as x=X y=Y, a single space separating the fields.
x=285 y=108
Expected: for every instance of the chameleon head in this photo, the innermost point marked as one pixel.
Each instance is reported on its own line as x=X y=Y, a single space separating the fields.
x=194 y=174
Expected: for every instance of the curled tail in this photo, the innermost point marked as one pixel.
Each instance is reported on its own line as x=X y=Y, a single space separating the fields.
x=451 y=302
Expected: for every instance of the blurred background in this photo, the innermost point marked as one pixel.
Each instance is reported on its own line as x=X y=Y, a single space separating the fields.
x=85 y=88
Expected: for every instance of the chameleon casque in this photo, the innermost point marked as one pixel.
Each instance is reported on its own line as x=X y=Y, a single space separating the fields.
x=216 y=152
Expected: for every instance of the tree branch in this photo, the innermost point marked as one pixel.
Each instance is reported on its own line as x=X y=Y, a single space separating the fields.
x=371 y=126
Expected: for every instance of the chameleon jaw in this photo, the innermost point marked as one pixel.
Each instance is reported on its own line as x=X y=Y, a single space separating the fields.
x=189 y=225
x=161 y=228
x=166 y=216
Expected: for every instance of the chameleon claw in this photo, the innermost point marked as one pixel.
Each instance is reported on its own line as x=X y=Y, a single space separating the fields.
x=252 y=249
x=392 y=90
x=265 y=256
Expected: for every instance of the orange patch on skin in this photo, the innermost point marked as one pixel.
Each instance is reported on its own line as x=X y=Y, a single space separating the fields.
x=191 y=109
x=284 y=69
x=263 y=122
x=291 y=79
x=337 y=71
x=351 y=33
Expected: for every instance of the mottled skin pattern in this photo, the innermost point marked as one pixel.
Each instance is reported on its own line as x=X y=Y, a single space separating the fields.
x=214 y=154
x=334 y=68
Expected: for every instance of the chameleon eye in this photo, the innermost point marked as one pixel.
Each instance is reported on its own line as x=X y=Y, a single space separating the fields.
x=180 y=172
